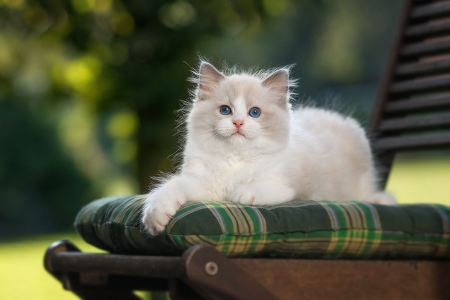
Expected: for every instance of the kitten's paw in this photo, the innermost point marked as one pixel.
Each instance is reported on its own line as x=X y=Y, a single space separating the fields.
x=159 y=208
x=244 y=195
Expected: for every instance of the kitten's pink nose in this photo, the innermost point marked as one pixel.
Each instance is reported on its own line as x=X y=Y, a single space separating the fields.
x=238 y=123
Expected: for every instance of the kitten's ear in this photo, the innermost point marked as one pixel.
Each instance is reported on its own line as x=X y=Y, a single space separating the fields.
x=209 y=78
x=278 y=82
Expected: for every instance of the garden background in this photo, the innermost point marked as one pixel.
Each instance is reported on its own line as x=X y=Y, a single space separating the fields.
x=88 y=90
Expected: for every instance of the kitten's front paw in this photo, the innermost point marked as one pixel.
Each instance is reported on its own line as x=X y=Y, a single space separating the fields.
x=244 y=195
x=159 y=209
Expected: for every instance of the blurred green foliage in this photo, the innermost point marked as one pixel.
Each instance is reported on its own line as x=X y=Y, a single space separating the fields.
x=93 y=84
x=41 y=190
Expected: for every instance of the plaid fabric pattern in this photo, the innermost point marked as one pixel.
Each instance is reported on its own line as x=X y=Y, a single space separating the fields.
x=312 y=229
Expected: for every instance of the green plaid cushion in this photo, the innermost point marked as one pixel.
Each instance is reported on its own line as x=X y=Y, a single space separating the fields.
x=313 y=229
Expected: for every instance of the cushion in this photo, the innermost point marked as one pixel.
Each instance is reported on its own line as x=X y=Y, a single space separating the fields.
x=309 y=229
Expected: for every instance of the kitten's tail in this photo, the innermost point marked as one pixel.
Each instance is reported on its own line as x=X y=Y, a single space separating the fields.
x=382 y=198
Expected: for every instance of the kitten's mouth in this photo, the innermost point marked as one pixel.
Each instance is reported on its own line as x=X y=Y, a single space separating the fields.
x=238 y=133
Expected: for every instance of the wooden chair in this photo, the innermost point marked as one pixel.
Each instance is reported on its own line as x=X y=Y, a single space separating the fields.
x=415 y=89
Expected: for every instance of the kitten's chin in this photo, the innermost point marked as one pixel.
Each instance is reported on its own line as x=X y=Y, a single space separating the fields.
x=238 y=134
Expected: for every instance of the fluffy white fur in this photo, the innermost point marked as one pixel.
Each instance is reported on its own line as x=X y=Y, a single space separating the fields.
x=282 y=155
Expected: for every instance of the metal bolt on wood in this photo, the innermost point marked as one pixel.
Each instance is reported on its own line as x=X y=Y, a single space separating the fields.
x=211 y=268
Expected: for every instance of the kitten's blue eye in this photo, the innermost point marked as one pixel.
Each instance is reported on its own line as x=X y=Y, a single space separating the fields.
x=254 y=112
x=225 y=110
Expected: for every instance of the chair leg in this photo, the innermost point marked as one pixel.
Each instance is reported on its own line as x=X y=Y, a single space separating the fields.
x=71 y=281
x=179 y=290
x=215 y=276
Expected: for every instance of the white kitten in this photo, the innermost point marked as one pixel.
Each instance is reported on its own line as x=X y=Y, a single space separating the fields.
x=245 y=144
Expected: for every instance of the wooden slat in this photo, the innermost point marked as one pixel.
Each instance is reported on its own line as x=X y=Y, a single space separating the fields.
x=386 y=82
x=421 y=85
x=428 y=30
x=150 y=266
x=434 y=10
x=351 y=279
x=423 y=103
x=432 y=141
x=423 y=68
x=416 y=123
x=389 y=70
x=425 y=48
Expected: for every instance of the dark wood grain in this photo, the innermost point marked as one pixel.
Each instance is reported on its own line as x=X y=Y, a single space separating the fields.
x=230 y=281
x=428 y=103
x=416 y=123
x=432 y=141
x=426 y=84
x=425 y=48
x=428 y=30
x=351 y=279
x=151 y=266
x=423 y=68
x=432 y=10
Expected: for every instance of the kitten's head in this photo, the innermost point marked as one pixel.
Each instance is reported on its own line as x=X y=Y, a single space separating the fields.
x=239 y=111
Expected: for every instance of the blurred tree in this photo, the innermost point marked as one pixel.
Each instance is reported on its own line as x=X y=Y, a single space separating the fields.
x=118 y=54
x=41 y=189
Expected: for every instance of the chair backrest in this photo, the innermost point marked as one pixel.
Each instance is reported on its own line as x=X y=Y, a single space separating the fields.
x=412 y=110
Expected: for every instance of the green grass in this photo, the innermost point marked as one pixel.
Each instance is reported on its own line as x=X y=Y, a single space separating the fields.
x=22 y=274
x=421 y=178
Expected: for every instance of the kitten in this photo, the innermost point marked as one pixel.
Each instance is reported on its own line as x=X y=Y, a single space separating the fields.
x=245 y=144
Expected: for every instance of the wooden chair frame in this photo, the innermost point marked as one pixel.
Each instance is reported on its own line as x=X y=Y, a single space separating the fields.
x=416 y=79
x=204 y=273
